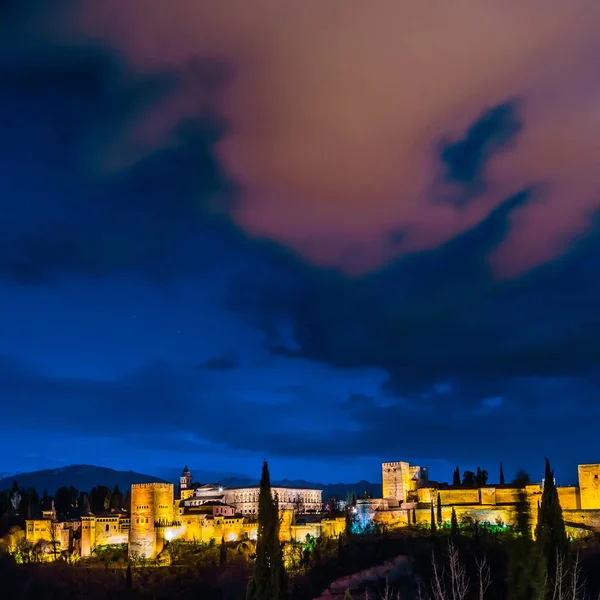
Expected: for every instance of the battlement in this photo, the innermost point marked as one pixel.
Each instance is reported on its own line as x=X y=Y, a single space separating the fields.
x=396 y=463
x=154 y=484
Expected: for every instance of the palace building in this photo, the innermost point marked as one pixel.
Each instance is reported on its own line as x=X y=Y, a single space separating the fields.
x=408 y=494
x=205 y=512
x=198 y=513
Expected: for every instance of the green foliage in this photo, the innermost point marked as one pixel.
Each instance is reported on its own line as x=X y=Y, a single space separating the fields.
x=440 y=520
x=222 y=552
x=268 y=581
x=348 y=595
x=523 y=524
x=550 y=532
x=454 y=529
x=526 y=573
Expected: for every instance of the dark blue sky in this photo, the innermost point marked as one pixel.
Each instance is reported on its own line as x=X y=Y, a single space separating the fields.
x=204 y=261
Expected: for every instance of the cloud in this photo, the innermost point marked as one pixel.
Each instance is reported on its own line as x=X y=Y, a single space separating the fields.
x=467 y=158
x=334 y=113
x=83 y=204
x=225 y=362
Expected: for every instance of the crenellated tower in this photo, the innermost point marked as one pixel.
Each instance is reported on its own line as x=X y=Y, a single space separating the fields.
x=151 y=511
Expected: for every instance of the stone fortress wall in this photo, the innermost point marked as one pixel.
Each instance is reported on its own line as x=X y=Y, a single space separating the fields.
x=406 y=490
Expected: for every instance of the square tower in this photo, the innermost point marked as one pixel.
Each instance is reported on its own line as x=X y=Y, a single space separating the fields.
x=396 y=478
x=589 y=486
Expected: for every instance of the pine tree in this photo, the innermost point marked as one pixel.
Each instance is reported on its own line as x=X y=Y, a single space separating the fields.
x=550 y=532
x=501 y=475
x=439 y=510
x=348 y=595
x=454 y=530
x=456 y=477
x=222 y=552
x=268 y=580
x=433 y=527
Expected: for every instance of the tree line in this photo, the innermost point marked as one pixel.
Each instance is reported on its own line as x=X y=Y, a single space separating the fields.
x=480 y=477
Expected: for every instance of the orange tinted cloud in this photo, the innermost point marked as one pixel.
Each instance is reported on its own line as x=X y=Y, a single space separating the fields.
x=336 y=108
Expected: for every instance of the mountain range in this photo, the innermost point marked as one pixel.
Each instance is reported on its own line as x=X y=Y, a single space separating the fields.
x=86 y=477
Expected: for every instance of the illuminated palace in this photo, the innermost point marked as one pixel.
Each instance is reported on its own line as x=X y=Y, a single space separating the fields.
x=202 y=513
x=407 y=491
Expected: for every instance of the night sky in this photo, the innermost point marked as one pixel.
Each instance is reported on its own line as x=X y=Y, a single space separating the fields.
x=324 y=233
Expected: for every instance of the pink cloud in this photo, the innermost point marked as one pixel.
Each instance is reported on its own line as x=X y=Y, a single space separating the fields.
x=336 y=108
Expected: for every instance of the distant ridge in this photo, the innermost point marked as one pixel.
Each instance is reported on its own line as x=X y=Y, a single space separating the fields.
x=83 y=477
x=86 y=477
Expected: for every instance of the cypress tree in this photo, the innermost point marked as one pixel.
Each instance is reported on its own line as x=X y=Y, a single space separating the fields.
x=550 y=532
x=222 y=552
x=454 y=530
x=433 y=527
x=268 y=580
x=501 y=475
x=128 y=580
x=456 y=477
x=439 y=510
x=526 y=572
x=478 y=476
x=414 y=516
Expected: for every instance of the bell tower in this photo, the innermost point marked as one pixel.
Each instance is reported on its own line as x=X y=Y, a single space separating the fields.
x=185 y=481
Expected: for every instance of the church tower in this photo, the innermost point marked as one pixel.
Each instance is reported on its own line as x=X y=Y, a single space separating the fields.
x=185 y=483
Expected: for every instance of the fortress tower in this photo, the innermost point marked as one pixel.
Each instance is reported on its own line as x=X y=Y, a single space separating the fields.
x=401 y=480
x=589 y=486
x=151 y=511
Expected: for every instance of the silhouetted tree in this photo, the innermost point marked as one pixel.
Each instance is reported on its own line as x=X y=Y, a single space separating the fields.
x=454 y=530
x=65 y=500
x=116 y=499
x=439 y=510
x=521 y=479
x=468 y=478
x=433 y=527
x=550 y=532
x=481 y=477
x=222 y=552
x=526 y=572
x=523 y=524
x=268 y=580
x=456 y=477
x=501 y=475
x=85 y=504
x=128 y=580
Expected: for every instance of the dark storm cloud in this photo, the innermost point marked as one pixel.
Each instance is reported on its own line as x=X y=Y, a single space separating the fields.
x=467 y=158
x=61 y=110
x=467 y=356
